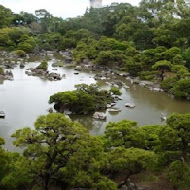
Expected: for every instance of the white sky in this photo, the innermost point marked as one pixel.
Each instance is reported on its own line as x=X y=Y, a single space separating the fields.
x=60 y=8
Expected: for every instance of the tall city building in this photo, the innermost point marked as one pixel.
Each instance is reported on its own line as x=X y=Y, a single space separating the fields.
x=96 y=3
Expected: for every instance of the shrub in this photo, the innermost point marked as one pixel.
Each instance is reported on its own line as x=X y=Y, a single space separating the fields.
x=60 y=64
x=178 y=173
x=148 y=75
x=46 y=46
x=115 y=91
x=19 y=53
x=168 y=83
x=1 y=70
x=25 y=46
x=43 y=65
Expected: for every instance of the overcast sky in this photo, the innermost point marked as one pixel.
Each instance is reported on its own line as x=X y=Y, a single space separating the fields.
x=60 y=8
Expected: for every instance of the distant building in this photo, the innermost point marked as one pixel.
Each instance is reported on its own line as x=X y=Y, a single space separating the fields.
x=96 y=3
x=114 y=4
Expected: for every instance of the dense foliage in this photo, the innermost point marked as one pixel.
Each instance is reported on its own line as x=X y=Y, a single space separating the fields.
x=43 y=65
x=82 y=100
x=60 y=153
x=151 y=42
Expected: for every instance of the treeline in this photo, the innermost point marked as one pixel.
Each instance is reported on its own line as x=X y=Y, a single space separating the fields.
x=59 y=153
x=150 y=41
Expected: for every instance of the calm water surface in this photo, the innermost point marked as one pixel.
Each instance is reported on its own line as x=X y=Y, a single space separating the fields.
x=25 y=98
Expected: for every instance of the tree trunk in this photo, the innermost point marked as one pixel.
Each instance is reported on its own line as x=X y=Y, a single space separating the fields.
x=184 y=149
x=162 y=75
x=126 y=180
x=46 y=182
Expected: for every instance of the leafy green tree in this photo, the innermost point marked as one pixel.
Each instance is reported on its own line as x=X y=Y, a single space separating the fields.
x=133 y=62
x=104 y=58
x=45 y=19
x=151 y=136
x=26 y=47
x=181 y=88
x=178 y=60
x=19 y=53
x=4 y=39
x=3 y=161
x=163 y=37
x=178 y=173
x=169 y=147
x=35 y=27
x=90 y=89
x=130 y=161
x=28 y=18
x=101 y=97
x=61 y=152
x=186 y=56
x=77 y=102
x=168 y=83
x=171 y=53
x=82 y=100
x=174 y=140
x=125 y=133
x=162 y=66
x=17 y=175
x=180 y=123
x=6 y=17
x=14 y=170
x=150 y=56
x=85 y=49
x=68 y=43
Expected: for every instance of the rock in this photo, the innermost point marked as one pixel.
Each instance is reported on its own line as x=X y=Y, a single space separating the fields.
x=126 y=87
x=124 y=187
x=21 y=65
x=119 y=83
x=124 y=74
x=39 y=72
x=67 y=112
x=68 y=59
x=108 y=106
x=129 y=105
x=116 y=97
x=103 y=78
x=157 y=89
x=67 y=116
x=44 y=74
x=142 y=84
x=113 y=104
x=100 y=115
x=8 y=75
x=114 y=110
x=141 y=188
x=136 y=81
x=78 y=68
x=54 y=76
x=54 y=65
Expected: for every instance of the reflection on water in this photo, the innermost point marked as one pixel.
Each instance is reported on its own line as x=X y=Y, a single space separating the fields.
x=27 y=97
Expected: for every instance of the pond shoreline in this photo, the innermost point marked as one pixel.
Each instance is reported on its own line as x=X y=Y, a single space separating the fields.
x=86 y=65
x=26 y=97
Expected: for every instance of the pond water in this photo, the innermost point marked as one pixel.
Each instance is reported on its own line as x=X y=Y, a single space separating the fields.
x=26 y=97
